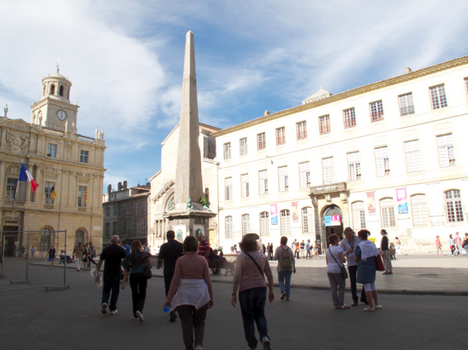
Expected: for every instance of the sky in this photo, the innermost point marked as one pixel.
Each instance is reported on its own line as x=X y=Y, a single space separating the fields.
x=125 y=59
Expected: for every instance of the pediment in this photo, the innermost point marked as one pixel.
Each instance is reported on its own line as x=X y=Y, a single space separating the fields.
x=20 y=124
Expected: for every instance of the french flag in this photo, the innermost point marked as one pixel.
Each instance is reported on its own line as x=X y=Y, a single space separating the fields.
x=25 y=175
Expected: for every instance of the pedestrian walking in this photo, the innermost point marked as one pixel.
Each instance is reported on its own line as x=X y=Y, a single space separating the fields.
x=316 y=250
x=168 y=254
x=191 y=294
x=366 y=253
x=397 y=246
x=335 y=259
x=270 y=252
x=249 y=279
x=348 y=246
x=385 y=251
x=308 y=248
x=439 y=246
x=134 y=265
x=33 y=252
x=465 y=244
x=78 y=252
x=286 y=266
x=112 y=256
x=451 y=245
x=51 y=254
x=458 y=243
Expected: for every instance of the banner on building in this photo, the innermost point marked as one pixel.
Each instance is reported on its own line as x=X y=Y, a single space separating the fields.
x=274 y=214
x=402 y=201
x=332 y=220
x=294 y=212
x=370 y=202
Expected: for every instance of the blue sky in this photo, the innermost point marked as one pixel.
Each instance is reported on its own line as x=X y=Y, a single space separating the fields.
x=125 y=59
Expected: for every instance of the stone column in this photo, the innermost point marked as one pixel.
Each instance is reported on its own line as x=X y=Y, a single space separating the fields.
x=3 y=180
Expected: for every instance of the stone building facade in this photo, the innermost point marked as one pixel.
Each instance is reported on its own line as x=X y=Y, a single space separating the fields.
x=58 y=158
x=126 y=213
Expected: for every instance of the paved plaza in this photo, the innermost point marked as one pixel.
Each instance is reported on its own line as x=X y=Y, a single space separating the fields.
x=71 y=319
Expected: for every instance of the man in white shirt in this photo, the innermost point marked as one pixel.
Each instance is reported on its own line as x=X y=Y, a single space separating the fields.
x=349 y=245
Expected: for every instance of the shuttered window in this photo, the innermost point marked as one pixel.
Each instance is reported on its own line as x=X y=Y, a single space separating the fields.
x=453 y=206
x=406 y=104
x=387 y=211
x=304 y=174
x=419 y=210
x=264 y=223
x=283 y=178
x=301 y=128
x=307 y=220
x=228 y=188
x=413 y=156
x=446 y=150
x=261 y=141
x=227 y=150
x=382 y=161
x=280 y=136
x=359 y=216
x=243 y=146
x=354 y=166
x=285 y=218
x=245 y=224
x=263 y=181
x=438 y=97
x=245 y=185
x=228 y=232
x=328 y=167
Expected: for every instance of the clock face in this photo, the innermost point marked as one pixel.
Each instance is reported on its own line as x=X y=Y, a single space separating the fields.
x=62 y=115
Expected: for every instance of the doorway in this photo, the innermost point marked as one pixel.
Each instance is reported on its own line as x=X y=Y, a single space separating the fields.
x=11 y=236
x=332 y=220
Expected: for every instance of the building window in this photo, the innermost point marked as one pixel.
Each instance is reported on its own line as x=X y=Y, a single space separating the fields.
x=382 y=161
x=107 y=211
x=143 y=227
x=84 y=156
x=124 y=209
x=114 y=228
x=48 y=189
x=227 y=150
x=243 y=146
x=376 y=109
x=359 y=216
x=261 y=141
x=413 y=156
x=115 y=210
x=453 y=206
x=438 y=98
x=307 y=220
x=324 y=124
x=283 y=178
x=12 y=185
x=107 y=229
x=47 y=238
x=82 y=196
x=446 y=150
x=124 y=227
x=280 y=136
x=387 y=212
x=135 y=207
x=228 y=188
x=301 y=128
x=285 y=222
x=228 y=227
x=52 y=150
x=134 y=227
x=264 y=223
x=419 y=210
x=263 y=181
x=466 y=86
x=52 y=89
x=328 y=166
x=354 y=166
x=349 y=118
x=245 y=224
x=406 y=104
x=304 y=174
x=245 y=185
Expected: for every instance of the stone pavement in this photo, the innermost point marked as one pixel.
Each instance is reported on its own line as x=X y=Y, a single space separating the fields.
x=412 y=274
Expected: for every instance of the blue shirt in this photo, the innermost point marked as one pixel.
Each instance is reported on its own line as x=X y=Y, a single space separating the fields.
x=127 y=249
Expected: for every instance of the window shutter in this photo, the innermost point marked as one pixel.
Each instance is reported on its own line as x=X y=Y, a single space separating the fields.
x=328 y=170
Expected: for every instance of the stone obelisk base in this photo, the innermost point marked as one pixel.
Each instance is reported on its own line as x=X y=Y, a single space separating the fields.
x=189 y=223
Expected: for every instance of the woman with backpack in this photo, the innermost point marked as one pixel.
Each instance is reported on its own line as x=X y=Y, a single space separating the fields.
x=286 y=266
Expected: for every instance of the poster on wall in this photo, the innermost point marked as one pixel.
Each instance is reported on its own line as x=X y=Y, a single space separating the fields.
x=294 y=212
x=332 y=220
x=370 y=202
x=402 y=201
x=274 y=214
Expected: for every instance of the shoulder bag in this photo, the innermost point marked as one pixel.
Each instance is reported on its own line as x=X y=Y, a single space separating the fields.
x=259 y=268
x=379 y=264
x=344 y=273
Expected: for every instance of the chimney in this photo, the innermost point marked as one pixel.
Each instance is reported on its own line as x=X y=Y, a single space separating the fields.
x=119 y=186
x=125 y=185
x=408 y=70
x=267 y=112
x=109 y=190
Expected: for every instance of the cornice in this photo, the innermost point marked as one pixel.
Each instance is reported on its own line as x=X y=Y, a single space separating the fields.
x=350 y=93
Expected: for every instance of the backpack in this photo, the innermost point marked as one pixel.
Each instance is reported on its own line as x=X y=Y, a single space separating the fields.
x=284 y=260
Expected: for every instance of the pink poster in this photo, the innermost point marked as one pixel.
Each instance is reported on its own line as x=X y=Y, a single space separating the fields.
x=274 y=214
x=294 y=212
x=370 y=202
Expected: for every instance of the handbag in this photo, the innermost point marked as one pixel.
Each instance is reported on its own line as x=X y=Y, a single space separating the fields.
x=379 y=264
x=147 y=272
x=344 y=273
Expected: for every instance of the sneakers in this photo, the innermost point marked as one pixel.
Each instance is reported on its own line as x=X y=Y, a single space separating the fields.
x=173 y=316
x=198 y=347
x=113 y=312
x=266 y=343
x=104 y=308
x=140 y=316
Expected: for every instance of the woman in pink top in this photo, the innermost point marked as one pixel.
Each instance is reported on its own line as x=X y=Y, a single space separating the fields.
x=439 y=246
x=191 y=293
x=251 y=265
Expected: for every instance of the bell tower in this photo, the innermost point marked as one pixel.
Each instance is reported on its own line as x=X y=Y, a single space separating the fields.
x=54 y=110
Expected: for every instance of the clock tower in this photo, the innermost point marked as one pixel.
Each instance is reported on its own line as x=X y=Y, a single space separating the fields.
x=54 y=110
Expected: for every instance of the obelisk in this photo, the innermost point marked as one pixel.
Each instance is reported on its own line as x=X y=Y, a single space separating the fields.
x=188 y=182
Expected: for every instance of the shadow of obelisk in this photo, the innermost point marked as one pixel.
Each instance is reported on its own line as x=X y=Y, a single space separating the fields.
x=189 y=217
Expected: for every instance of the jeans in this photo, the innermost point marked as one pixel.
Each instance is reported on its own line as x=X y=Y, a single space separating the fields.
x=336 y=280
x=252 y=302
x=167 y=282
x=192 y=320
x=459 y=249
x=284 y=281
x=352 y=270
x=138 y=284
x=466 y=250
x=308 y=254
x=111 y=283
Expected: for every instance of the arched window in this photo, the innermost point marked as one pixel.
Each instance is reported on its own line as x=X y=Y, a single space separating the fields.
x=43 y=90
x=47 y=238
x=419 y=210
x=359 y=215
x=228 y=231
x=285 y=222
x=245 y=224
x=264 y=223
x=453 y=206
x=52 y=89
x=387 y=212
x=61 y=90
x=307 y=220
x=81 y=235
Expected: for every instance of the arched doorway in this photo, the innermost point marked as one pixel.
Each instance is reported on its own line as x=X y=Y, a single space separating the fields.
x=81 y=235
x=332 y=223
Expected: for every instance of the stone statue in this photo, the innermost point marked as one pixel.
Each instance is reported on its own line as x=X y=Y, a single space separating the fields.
x=207 y=205
x=170 y=205
x=189 y=204
x=97 y=133
x=24 y=146
x=73 y=126
x=40 y=118
x=6 y=110
x=66 y=127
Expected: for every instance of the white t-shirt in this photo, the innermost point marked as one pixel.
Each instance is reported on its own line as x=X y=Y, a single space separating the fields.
x=332 y=266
